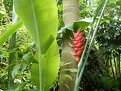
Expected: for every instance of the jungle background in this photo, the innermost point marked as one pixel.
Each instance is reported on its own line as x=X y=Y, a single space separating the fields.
x=103 y=69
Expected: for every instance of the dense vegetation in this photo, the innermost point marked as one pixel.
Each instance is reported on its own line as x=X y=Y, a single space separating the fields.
x=19 y=54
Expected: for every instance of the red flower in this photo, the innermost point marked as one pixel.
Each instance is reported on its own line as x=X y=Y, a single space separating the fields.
x=78 y=44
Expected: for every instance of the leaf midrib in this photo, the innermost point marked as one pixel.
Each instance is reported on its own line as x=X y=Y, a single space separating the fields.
x=38 y=43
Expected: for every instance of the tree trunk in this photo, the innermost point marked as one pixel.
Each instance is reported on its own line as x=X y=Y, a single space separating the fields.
x=70 y=14
x=70 y=11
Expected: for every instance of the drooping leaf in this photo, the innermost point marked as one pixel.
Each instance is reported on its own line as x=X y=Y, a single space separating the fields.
x=66 y=76
x=83 y=23
x=9 y=32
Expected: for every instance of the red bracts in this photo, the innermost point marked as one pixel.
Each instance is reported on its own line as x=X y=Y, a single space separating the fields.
x=79 y=44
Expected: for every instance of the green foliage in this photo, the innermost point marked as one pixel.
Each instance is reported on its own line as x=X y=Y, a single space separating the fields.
x=109 y=35
x=9 y=32
x=42 y=24
x=98 y=74
x=82 y=24
x=50 y=66
x=87 y=48
x=110 y=83
x=1 y=14
x=36 y=20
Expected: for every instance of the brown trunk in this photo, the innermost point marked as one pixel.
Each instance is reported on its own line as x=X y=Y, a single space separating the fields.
x=70 y=14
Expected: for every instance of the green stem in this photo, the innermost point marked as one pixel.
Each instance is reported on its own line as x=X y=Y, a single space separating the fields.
x=12 y=58
x=89 y=36
x=41 y=88
x=115 y=63
x=118 y=65
x=111 y=65
x=12 y=55
x=82 y=60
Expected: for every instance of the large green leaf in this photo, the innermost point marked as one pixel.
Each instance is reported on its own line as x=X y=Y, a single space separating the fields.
x=50 y=67
x=9 y=32
x=41 y=19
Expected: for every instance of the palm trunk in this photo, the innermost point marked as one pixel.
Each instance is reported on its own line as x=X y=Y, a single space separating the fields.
x=70 y=11
x=70 y=14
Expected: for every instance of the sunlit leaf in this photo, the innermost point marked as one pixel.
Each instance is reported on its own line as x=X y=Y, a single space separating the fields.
x=50 y=67
x=41 y=20
x=9 y=32
x=84 y=23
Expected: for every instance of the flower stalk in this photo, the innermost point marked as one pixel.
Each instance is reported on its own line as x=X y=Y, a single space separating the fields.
x=86 y=51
